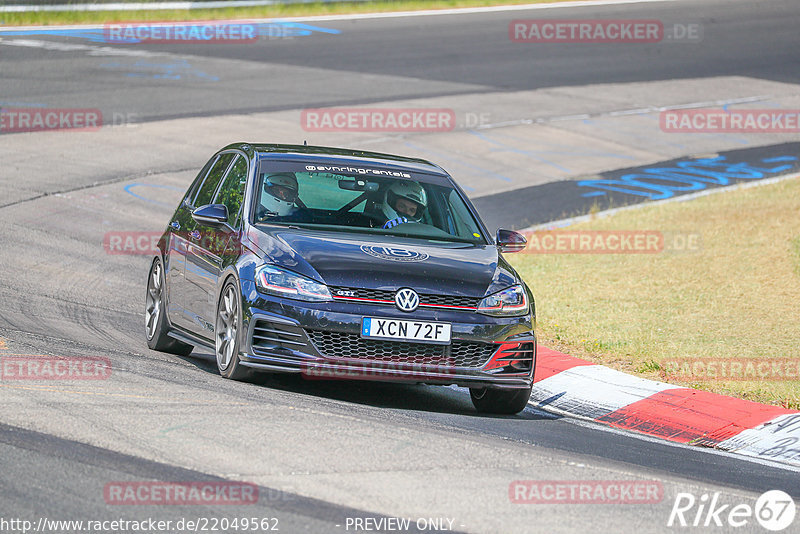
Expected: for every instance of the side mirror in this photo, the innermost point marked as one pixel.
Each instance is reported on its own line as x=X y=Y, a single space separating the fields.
x=510 y=241
x=211 y=215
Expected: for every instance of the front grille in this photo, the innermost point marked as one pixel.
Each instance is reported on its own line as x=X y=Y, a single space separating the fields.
x=425 y=299
x=352 y=346
x=269 y=336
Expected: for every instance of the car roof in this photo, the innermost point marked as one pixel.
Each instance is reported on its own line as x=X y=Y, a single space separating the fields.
x=339 y=156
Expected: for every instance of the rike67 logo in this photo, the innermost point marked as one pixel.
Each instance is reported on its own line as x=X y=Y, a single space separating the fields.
x=774 y=510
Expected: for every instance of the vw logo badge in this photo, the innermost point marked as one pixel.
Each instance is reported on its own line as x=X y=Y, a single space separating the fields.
x=406 y=300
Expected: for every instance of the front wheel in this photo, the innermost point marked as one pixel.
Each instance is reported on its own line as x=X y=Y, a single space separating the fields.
x=500 y=401
x=227 y=333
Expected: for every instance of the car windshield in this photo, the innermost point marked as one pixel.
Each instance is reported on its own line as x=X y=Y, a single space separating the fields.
x=376 y=204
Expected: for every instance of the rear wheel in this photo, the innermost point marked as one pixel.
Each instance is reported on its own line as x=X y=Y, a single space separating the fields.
x=500 y=401
x=155 y=315
x=227 y=332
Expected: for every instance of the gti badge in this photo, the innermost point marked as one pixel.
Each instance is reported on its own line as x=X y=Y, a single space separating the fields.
x=406 y=300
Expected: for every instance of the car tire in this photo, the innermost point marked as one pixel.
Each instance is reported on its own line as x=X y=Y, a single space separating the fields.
x=227 y=333
x=500 y=401
x=155 y=323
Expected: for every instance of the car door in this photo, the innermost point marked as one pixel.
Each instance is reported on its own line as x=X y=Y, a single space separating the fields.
x=189 y=235
x=208 y=245
x=175 y=260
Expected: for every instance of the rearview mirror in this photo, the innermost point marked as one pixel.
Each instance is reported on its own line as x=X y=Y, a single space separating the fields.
x=510 y=241
x=358 y=185
x=211 y=215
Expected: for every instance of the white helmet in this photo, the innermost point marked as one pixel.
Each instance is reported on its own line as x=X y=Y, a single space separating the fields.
x=409 y=191
x=280 y=192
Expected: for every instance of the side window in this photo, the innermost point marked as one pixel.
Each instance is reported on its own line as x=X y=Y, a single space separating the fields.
x=231 y=192
x=465 y=225
x=212 y=180
x=192 y=191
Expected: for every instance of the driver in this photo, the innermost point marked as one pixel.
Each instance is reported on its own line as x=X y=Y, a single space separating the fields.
x=280 y=194
x=404 y=202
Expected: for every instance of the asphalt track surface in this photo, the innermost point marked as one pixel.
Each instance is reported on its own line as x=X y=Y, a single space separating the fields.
x=382 y=59
x=320 y=452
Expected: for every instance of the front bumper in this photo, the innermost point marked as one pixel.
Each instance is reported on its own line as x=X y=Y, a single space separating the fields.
x=323 y=341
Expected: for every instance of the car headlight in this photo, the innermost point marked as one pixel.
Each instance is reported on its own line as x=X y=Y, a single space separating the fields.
x=282 y=283
x=510 y=302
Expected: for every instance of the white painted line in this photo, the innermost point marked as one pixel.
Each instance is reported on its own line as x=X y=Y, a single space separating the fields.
x=624 y=112
x=395 y=14
x=681 y=198
x=90 y=49
x=593 y=391
x=579 y=117
x=638 y=111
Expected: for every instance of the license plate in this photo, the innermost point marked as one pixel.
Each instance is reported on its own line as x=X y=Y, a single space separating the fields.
x=402 y=330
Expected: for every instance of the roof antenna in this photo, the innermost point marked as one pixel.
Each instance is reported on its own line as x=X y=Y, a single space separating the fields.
x=305 y=143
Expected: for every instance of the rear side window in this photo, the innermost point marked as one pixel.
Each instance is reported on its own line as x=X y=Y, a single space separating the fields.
x=212 y=180
x=231 y=192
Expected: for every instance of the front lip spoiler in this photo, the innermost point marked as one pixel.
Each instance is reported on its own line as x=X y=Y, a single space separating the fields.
x=370 y=370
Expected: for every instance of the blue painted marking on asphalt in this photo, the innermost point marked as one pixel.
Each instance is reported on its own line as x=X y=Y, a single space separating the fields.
x=131 y=186
x=94 y=35
x=690 y=175
x=300 y=29
x=509 y=148
x=275 y=29
x=23 y=105
x=779 y=158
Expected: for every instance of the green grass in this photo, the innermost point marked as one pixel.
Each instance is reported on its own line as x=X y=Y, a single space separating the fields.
x=287 y=10
x=737 y=296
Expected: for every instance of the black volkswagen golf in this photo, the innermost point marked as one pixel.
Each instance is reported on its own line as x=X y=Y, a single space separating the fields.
x=342 y=264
